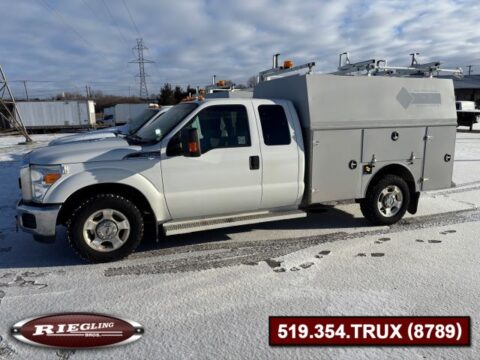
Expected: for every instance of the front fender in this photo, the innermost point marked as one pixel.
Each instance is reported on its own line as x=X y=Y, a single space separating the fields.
x=63 y=189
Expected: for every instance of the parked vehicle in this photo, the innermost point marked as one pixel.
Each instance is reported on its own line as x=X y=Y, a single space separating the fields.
x=41 y=115
x=302 y=140
x=146 y=116
x=467 y=114
x=123 y=113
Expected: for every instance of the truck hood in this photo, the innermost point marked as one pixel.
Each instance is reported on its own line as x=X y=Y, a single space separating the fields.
x=109 y=149
x=93 y=135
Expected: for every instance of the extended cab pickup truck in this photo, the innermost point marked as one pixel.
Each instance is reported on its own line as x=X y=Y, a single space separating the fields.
x=302 y=140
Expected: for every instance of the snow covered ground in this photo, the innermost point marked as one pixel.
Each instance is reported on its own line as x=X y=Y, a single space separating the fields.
x=209 y=295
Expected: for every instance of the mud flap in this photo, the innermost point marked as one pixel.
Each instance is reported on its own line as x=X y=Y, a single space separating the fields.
x=44 y=239
x=413 y=206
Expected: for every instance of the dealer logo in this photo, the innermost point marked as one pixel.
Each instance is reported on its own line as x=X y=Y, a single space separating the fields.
x=77 y=331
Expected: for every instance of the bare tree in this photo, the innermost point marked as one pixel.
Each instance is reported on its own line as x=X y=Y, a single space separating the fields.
x=252 y=81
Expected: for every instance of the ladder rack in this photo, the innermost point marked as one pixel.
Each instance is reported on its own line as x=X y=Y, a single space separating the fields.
x=279 y=70
x=381 y=68
x=370 y=67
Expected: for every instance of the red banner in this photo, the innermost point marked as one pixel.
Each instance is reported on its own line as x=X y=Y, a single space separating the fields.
x=369 y=331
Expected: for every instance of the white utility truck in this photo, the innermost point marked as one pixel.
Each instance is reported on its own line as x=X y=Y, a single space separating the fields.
x=303 y=139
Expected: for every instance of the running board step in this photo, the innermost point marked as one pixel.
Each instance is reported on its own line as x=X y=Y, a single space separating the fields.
x=192 y=225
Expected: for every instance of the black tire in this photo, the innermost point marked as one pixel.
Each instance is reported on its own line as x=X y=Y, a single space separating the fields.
x=79 y=217
x=369 y=205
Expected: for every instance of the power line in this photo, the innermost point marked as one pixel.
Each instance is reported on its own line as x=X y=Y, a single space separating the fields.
x=115 y=22
x=62 y=18
x=131 y=19
x=96 y=14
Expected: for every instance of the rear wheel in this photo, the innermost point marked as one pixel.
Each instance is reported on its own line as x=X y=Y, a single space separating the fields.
x=386 y=201
x=106 y=227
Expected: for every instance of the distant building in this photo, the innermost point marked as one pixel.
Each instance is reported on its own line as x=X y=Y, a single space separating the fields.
x=467 y=88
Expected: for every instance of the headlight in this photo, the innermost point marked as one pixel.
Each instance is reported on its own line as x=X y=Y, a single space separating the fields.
x=43 y=177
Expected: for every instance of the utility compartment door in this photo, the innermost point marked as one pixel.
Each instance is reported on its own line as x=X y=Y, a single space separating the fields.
x=336 y=165
x=393 y=144
x=439 y=154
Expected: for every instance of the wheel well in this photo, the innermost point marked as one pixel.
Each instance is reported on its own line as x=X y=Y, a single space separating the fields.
x=398 y=170
x=126 y=191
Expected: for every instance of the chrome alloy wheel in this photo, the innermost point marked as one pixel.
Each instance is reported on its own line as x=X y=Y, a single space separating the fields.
x=106 y=230
x=390 y=201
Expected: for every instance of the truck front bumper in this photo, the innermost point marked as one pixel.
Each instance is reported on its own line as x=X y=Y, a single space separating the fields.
x=40 y=220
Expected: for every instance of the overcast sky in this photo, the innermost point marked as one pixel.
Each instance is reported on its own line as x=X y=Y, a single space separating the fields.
x=79 y=42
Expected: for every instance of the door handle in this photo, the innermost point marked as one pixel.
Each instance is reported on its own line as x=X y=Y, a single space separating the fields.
x=254 y=162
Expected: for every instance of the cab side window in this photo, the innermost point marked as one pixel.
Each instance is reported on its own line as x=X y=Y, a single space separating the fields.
x=275 y=127
x=222 y=126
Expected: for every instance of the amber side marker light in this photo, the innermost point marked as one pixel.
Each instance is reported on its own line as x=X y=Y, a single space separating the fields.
x=192 y=147
x=51 y=178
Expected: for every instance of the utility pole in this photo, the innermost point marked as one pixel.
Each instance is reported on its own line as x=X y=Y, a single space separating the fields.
x=8 y=108
x=141 y=61
x=25 y=86
x=469 y=69
x=86 y=91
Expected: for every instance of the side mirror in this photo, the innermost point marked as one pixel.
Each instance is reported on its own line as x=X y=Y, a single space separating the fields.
x=174 y=147
x=190 y=143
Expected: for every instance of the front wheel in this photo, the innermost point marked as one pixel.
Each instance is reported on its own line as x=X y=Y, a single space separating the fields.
x=386 y=201
x=106 y=227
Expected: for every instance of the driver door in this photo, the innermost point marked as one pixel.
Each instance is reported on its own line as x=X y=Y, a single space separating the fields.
x=222 y=180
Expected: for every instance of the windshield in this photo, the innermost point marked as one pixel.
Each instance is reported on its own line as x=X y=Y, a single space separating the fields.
x=161 y=126
x=137 y=122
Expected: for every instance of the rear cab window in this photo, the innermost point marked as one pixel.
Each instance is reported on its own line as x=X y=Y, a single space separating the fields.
x=274 y=124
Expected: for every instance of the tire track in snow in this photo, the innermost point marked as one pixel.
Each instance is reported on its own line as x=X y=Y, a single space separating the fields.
x=252 y=252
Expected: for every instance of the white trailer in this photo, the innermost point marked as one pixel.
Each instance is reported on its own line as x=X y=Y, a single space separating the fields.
x=57 y=114
x=124 y=113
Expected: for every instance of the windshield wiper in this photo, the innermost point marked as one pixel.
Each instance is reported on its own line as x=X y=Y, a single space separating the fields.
x=135 y=138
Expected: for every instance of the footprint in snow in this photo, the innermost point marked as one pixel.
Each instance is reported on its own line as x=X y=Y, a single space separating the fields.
x=303 y=266
x=273 y=263
x=64 y=354
x=382 y=240
x=6 y=350
x=371 y=254
x=306 y=265
x=322 y=253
